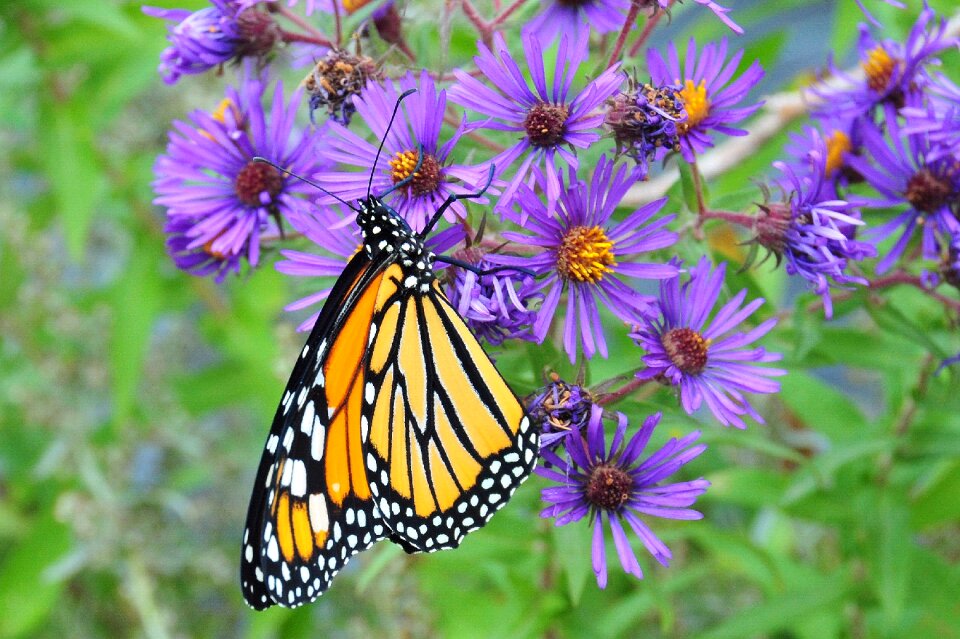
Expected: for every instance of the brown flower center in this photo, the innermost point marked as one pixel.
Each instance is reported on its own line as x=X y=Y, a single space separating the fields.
x=256 y=178
x=545 y=123
x=425 y=180
x=927 y=192
x=585 y=254
x=687 y=349
x=608 y=487
x=258 y=31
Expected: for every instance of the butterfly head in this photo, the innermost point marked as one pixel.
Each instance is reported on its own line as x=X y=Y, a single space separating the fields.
x=386 y=233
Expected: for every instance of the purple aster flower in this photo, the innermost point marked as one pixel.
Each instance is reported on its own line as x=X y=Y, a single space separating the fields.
x=719 y=11
x=219 y=201
x=816 y=235
x=576 y=19
x=495 y=306
x=893 y=72
x=645 y=121
x=620 y=486
x=704 y=359
x=909 y=169
x=709 y=96
x=204 y=39
x=550 y=120
x=561 y=410
x=587 y=254
x=417 y=125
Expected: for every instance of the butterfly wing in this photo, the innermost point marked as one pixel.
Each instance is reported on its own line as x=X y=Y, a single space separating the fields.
x=311 y=507
x=448 y=440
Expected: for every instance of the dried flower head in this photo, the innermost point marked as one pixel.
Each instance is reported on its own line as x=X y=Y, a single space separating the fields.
x=336 y=79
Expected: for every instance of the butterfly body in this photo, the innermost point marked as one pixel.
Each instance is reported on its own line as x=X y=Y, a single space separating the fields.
x=394 y=424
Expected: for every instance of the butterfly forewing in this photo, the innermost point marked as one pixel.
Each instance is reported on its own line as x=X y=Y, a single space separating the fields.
x=311 y=508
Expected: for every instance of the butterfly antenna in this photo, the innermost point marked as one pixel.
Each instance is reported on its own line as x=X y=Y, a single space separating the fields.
x=257 y=158
x=396 y=107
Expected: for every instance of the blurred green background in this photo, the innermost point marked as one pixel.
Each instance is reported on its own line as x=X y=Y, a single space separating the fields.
x=134 y=401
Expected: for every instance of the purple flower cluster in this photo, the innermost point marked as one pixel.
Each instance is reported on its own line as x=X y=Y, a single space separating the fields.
x=534 y=138
x=219 y=200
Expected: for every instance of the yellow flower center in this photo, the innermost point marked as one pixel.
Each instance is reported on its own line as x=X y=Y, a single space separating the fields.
x=585 y=254
x=838 y=145
x=696 y=102
x=879 y=67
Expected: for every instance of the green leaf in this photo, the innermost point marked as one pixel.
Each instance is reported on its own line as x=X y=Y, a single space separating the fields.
x=136 y=302
x=893 y=558
x=781 y=612
x=71 y=168
x=939 y=502
x=574 y=543
x=28 y=592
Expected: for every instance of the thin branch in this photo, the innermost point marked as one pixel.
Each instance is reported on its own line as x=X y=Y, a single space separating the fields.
x=628 y=24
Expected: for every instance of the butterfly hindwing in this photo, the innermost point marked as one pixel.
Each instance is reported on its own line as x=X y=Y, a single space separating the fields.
x=311 y=508
x=448 y=440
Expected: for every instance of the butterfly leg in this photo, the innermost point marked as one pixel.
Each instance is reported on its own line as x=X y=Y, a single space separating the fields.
x=482 y=271
x=453 y=197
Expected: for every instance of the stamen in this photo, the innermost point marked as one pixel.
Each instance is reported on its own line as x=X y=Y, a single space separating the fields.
x=256 y=178
x=585 y=254
x=545 y=123
x=879 y=68
x=687 y=349
x=608 y=487
x=696 y=102
x=425 y=181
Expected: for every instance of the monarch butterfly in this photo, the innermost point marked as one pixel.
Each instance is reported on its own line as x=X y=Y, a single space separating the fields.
x=395 y=424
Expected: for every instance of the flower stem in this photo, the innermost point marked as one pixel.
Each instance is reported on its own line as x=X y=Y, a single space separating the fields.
x=740 y=219
x=496 y=22
x=647 y=30
x=290 y=36
x=483 y=27
x=623 y=391
x=628 y=24
x=300 y=22
x=336 y=18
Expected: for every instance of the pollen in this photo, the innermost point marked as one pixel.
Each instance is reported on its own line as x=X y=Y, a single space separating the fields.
x=696 y=102
x=425 y=180
x=879 y=68
x=545 y=123
x=838 y=146
x=585 y=254
x=687 y=349
x=608 y=487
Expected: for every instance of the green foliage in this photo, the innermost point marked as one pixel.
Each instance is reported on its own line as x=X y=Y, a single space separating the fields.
x=134 y=401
